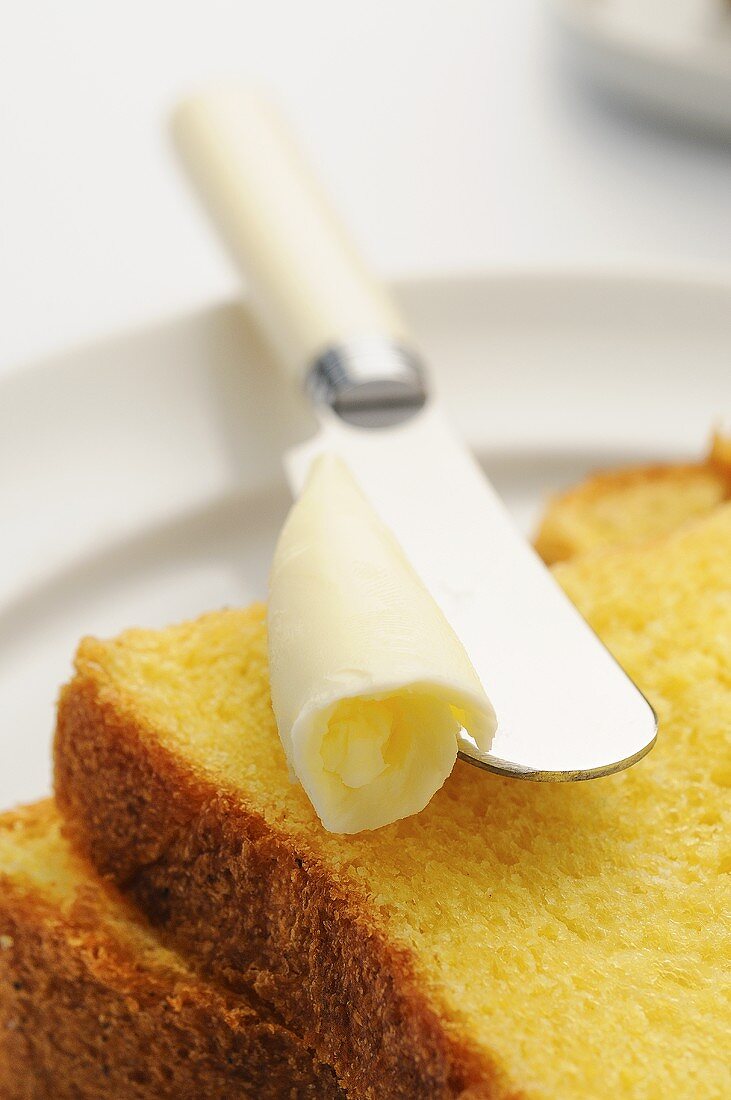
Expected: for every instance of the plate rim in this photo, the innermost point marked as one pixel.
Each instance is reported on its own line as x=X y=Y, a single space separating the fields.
x=703 y=277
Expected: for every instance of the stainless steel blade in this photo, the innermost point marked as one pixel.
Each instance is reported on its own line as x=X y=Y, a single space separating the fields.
x=566 y=710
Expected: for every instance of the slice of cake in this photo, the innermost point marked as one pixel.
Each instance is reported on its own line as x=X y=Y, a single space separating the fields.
x=514 y=939
x=92 y=1005
x=642 y=502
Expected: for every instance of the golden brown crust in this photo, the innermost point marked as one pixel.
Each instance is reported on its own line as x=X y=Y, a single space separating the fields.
x=245 y=901
x=719 y=458
x=82 y=1016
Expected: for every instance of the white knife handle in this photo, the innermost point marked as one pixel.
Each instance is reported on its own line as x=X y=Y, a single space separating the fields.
x=314 y=298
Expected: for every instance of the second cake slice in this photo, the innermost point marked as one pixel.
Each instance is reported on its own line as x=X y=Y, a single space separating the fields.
x=93 y=1005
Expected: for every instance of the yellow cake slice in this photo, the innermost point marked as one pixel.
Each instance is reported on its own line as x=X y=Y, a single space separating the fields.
x=92 y=1004
x=514 y=939
x=633 y=504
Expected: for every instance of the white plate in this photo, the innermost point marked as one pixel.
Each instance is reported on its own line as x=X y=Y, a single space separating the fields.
x=140 y=482
x=673 y=58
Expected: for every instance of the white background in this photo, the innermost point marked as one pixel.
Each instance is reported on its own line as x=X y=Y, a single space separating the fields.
x=450 y=133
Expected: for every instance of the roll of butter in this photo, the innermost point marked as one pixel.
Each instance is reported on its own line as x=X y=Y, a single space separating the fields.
x=370 y=684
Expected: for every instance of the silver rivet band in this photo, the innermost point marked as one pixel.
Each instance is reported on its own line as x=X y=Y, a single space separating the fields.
x=370 y=382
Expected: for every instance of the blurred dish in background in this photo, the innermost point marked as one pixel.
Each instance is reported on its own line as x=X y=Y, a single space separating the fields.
x=673 y=59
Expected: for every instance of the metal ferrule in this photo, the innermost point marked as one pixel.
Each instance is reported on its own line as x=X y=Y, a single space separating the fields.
x=371 y=382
